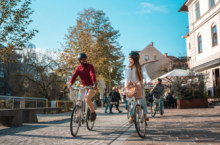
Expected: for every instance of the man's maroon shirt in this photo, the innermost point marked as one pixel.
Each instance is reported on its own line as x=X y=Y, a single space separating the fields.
x=86 y=73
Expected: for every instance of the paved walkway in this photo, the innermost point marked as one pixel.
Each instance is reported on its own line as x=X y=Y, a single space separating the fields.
x=181 y=127
x=55 y=129
x=189 y=126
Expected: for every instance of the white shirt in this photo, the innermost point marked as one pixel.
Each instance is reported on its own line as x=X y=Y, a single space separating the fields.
x=133 y=78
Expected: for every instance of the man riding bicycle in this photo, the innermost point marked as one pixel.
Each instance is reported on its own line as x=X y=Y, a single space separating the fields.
x=157 y=92
x=87 y=75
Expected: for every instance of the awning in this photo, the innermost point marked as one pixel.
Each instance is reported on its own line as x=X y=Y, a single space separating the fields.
x=208 y=65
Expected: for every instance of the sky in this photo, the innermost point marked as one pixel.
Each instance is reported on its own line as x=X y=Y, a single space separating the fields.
x=140 y=22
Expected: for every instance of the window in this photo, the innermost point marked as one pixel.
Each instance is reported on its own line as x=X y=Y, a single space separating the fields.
x=189 y=46
x=146 y=57
x=211 y=3
x=214 y=36
x=197 y=11
x=155 y=57
x=200 y=43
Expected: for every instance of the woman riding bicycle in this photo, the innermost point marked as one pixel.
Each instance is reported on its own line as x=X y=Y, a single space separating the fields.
x=158 y=92
x=135 y=73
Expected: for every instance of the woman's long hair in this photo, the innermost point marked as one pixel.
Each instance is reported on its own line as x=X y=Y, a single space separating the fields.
x=138 y=69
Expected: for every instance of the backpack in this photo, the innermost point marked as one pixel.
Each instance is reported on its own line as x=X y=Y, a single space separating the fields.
x=104 y=99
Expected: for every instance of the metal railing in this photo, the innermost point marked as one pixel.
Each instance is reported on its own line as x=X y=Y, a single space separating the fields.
x=15 y=102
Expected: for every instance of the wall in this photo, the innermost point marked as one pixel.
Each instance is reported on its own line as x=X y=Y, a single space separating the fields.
x=203 y=26
x=150 y=51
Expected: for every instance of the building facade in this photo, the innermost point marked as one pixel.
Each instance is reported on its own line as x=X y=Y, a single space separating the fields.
x=203 y=39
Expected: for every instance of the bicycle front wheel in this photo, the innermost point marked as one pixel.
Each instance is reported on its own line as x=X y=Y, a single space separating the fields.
x=153 y=109
x=140 y=121
x=89 y=123
x=128 y=111
x=75 y=121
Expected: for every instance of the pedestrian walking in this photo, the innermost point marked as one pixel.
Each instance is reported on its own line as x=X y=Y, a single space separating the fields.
x=174 y=100
x=169 y=100
x=107 y=103
x=122 y=93
x=115 y=97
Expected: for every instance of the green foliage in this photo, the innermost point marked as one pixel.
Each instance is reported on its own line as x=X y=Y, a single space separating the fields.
x=217 y=88
x=94 y=35
x=14 y=20
x=194 y=87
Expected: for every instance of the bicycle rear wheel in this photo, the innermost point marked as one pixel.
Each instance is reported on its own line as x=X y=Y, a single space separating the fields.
x=75 y=121
x=128 y=111
x=139 y=121
x=89 y=123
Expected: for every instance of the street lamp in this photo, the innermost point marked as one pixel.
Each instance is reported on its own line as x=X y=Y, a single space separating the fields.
x=110 y=69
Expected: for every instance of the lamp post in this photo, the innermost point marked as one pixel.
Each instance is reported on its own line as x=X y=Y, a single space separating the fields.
x=110 y=69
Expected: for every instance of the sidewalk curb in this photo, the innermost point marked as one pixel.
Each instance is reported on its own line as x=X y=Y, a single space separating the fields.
x=121 y=139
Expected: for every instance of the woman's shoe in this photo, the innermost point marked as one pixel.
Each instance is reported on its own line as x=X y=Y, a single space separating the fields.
x=131 y=120
x=147 y=119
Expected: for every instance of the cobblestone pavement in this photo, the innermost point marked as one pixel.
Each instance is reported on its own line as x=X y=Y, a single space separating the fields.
x=55 y=129
x=177 y=127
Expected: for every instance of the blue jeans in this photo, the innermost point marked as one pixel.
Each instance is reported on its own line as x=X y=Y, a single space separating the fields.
x=143 y=103
x=106 y=108
x=126 y=102
x=160 y=103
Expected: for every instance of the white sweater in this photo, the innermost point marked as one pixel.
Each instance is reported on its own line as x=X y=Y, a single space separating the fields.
x=133 y=78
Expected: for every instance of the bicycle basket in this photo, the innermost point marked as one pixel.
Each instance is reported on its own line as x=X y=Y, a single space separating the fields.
x=74 y=94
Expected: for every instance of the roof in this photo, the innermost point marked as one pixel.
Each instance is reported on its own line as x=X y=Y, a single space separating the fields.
x=172 y=57
x=184 y=8
x=136 y=51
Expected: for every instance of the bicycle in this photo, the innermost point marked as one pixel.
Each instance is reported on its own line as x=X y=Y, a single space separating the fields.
x=81 y=113
x=155 y=108
x=128 y=109
x=139 y=118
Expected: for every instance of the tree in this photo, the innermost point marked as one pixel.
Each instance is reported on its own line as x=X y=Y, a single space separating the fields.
x=14 y=19
x=35 y=79
x=94 y=35
x=6 y=69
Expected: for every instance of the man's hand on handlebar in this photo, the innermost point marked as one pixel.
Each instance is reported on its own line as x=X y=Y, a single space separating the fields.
x=94 y=88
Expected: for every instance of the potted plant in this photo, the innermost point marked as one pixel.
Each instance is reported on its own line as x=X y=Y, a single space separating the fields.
x=192 y=95
x=217 y=89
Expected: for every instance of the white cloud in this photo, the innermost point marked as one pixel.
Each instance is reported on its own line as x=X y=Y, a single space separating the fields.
x=149 y=8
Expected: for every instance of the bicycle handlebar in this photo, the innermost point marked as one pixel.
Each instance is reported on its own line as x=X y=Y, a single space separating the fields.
x=81 y=88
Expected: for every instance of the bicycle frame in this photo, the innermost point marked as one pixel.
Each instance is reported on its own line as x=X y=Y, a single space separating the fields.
x=81 y=103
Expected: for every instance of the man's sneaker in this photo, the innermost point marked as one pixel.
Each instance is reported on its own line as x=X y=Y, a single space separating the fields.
x=131 y=120
x=111 y=113
x=120 y=111
x=93 y=116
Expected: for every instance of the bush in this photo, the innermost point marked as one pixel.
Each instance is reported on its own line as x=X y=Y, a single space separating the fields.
x=217 y=88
